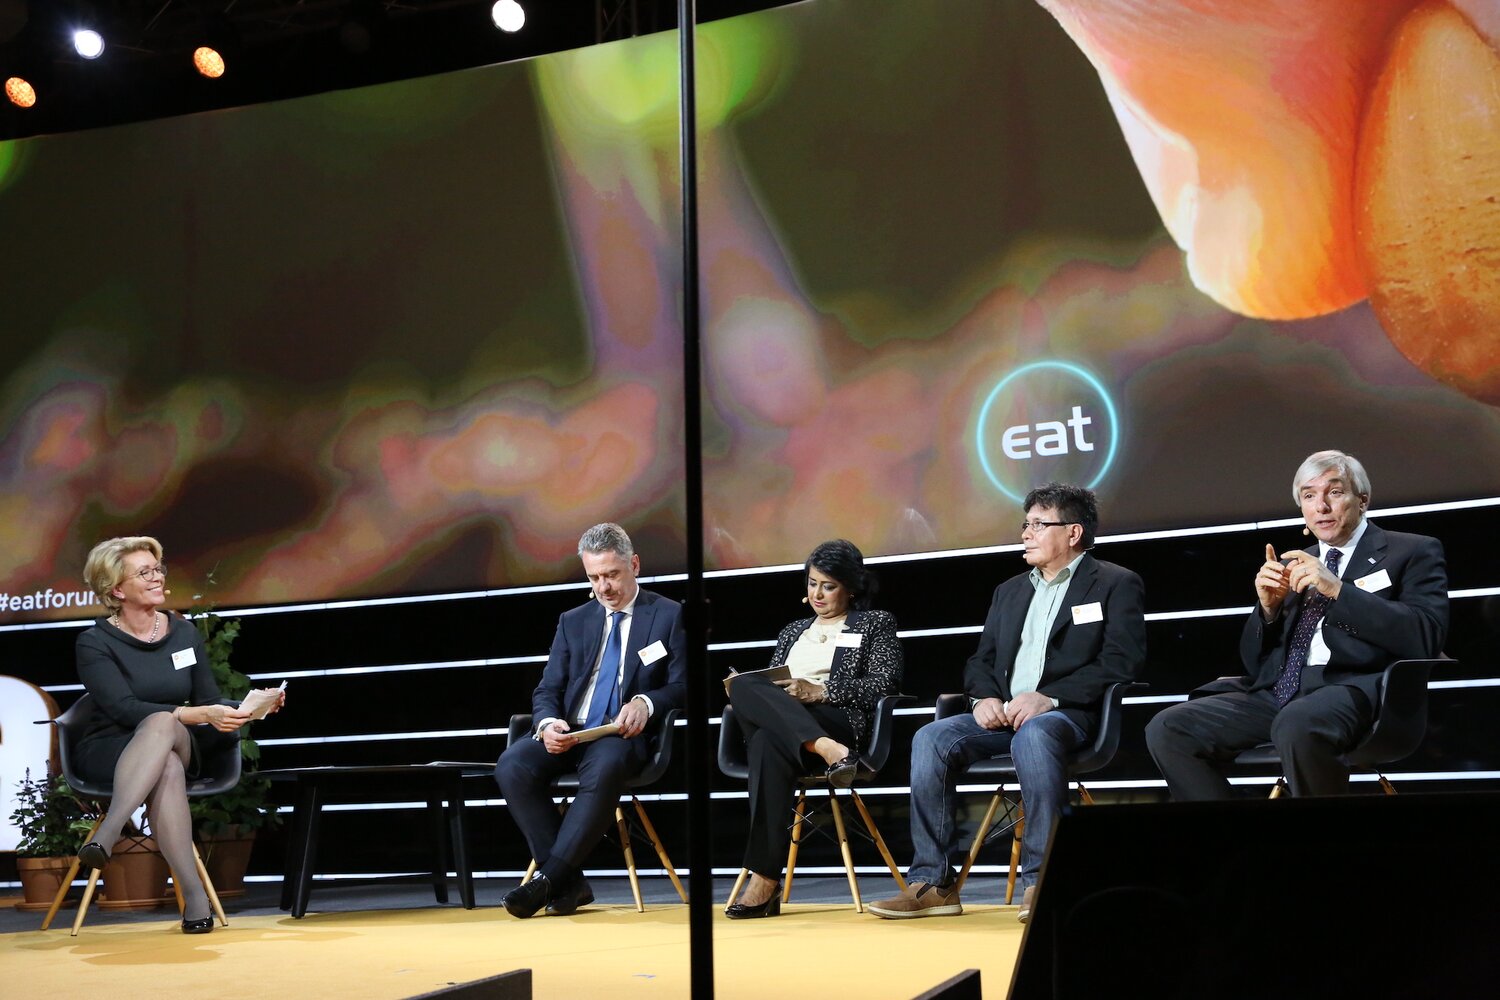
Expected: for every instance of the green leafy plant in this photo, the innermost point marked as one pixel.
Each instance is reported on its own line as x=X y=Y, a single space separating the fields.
x=245 y=805
x=51 y=818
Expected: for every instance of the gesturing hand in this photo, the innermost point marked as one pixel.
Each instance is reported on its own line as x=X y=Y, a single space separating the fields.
x=1272 y=584
x=1307 y=570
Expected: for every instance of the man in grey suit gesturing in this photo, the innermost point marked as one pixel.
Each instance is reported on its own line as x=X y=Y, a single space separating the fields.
x=620 y=658
x=1329 y=620
x=1054 y=640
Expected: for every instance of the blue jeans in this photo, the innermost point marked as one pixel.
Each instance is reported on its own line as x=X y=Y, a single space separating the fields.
x=939 y=753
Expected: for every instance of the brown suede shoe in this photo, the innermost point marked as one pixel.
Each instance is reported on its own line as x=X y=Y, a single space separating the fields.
x=1024 y=913
x=920 y=900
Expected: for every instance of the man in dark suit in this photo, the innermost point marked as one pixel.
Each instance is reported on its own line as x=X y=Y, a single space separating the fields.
x=1054 y=640
x=1330 y=619
x=620 y=658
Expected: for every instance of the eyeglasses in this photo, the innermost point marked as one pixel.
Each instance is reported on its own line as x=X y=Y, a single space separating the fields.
x=147 y=572
x=1035 y=526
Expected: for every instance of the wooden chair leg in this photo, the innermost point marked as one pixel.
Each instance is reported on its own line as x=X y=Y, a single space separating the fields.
x=1386 y=787
x=661 y=850
x=791 y=855
x=208 y=887
x=838 y=822
x=984 y=829
x=530 y=871
x=739 y=884
x=1084 y=796
x=635 y=882
x=67 y=883
x=88 y=897
x=177 y=891
x=1015 y=851
x=1277 y=789
x=885 y=852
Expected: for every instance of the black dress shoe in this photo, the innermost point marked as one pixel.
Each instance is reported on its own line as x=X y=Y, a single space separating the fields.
x=841 y=775
x=524 y=900
x=580 y=893
x=198 y=926
x=770 y=908
x=93 y=854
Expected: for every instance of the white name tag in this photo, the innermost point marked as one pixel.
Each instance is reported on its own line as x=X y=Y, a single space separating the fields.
x=653 y=652
x=1086 y=614
x=183 y=658
x=849 y=639
x=1378 y=580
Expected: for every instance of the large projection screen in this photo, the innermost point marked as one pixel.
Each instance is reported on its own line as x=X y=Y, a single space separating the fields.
x=414 y=338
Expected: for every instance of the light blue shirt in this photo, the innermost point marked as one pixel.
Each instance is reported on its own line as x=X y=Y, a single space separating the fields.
x=1046 y=602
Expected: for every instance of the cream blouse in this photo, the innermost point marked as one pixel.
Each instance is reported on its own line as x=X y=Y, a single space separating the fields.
x=811 y=656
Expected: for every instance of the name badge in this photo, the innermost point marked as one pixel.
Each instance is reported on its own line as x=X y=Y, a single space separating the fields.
x=183 y=659
x=850 y=640
x=653 y=652
x=1087 y=614
x=1378 y=580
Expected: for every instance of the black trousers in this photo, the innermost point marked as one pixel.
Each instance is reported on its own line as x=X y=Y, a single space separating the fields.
x=1189 y=741
x=775 y=726
x=560 y=843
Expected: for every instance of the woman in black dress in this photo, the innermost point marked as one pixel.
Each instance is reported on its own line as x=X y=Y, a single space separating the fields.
x=842 y=661
x=157 y=711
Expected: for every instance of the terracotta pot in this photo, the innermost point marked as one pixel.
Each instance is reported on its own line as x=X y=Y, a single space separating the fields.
x=136 y=876
x=40 y=878
x=227 y=857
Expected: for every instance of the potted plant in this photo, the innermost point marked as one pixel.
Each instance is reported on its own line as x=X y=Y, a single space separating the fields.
x=52 y=822
x=227 y=822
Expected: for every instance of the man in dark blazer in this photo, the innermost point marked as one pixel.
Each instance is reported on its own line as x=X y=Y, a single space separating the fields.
x=1054 y=640
x=1330 y=619
x=621 y=659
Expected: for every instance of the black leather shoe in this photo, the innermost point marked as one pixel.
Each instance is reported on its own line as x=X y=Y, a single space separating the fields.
x=841 y=775
x=567 y=903
x=93 y=855
x=770 y=908
x=198 y=926
x=524 y=900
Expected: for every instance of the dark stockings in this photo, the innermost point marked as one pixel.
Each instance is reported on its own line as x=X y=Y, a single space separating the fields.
x=153 y=770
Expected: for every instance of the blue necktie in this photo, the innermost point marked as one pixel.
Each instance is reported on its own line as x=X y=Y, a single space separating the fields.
x=604 y=704
x=1313 y=610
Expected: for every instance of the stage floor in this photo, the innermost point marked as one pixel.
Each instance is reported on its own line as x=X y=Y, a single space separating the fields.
x=394 y=942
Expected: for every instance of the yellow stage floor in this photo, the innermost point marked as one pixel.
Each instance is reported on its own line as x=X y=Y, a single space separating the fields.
x=821 y=951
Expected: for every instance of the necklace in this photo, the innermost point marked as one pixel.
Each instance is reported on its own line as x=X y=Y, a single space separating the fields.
x=822 y=629
x=155 y=625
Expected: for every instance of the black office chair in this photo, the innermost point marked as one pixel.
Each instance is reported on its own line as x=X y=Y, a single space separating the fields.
x=661 y=757
x=1400 y=722
x=1001 y=769
x=734 y=762
x=224 y=774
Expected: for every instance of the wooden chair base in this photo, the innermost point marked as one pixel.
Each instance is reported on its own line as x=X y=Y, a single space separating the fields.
x=800 y=821
x=1015 y=845
x=623 y=826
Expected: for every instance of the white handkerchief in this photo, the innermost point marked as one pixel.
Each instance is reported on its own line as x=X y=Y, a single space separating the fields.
x=1085 y=614
x=849 y=639
x=183 y=658
x=653 y=652
x=1378 y=580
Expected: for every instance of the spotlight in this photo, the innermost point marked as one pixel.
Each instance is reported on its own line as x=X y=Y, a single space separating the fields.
x=88 y=43
x=508 y=15
x=20 y=92
x=208 y=62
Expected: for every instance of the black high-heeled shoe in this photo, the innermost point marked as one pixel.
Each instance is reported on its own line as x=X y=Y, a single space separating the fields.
x=197 y=926
x=841 y=775
x=770 y=908
x=93 y=855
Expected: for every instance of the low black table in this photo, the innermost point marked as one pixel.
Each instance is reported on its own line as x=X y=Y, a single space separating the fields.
x=440 y=784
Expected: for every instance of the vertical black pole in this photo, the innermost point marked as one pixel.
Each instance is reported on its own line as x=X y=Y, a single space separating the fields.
x=695 y=611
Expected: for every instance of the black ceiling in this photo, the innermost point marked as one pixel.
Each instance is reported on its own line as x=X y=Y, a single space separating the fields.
x=276 y=49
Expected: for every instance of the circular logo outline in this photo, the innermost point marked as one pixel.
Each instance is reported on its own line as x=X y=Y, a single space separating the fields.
x=1087 y=377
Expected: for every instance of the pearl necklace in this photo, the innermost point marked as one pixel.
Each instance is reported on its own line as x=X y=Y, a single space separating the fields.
x=155 y=626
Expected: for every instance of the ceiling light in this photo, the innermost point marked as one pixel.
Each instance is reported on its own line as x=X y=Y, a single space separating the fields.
x=88 y=43
x=208 y=62
x=508 y=15
x=20 y=92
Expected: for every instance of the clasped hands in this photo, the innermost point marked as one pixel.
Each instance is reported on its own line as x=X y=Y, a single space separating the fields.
x=631 y=720
x=1302 y=570
x=992 y=713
